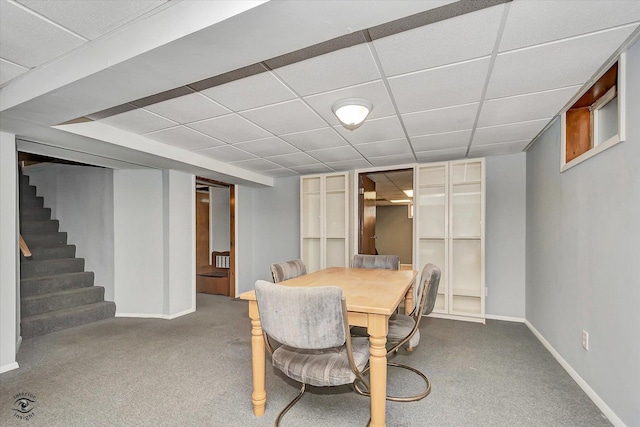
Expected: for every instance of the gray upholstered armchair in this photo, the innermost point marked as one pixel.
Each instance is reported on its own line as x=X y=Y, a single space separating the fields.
x=403 y=329
x=311 y=325
x=388 y=262
x=281 y=271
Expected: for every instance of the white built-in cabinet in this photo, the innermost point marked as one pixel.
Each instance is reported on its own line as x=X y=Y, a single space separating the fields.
x=324 y=220
x=449 y=199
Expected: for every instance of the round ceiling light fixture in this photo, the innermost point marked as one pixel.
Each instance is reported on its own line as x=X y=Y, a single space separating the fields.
x=352 y=112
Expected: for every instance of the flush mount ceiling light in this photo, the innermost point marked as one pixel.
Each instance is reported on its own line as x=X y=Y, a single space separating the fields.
x=352 y=112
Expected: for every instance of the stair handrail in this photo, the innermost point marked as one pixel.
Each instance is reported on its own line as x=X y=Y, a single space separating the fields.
x=24 y=248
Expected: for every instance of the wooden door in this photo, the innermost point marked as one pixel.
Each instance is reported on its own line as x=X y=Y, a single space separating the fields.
x=367 y=205
x=202 y=230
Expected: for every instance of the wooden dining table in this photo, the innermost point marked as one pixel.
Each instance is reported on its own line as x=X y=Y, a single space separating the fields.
x=372 y=295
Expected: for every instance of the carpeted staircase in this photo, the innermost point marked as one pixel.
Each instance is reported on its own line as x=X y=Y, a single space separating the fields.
x=55 y=291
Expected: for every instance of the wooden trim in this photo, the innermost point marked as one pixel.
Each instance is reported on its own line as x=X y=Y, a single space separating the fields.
x=24 y=248
x=232 y=241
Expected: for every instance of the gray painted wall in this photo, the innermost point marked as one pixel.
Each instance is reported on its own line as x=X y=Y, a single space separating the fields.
x=394 y=229
x=81 y=198
x=583 y=246
x=505 y=235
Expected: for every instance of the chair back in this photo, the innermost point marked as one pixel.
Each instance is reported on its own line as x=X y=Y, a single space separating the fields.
x=281 y=271
x=428 y=290
x=304 y=318
x=388 y=262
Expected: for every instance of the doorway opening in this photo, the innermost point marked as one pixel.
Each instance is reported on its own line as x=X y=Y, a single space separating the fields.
x=385 y=214
x=215 y=237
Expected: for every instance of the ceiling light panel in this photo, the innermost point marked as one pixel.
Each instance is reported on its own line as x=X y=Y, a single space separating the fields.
x=188 y=108
x=315 y=139
x=522 y=108
x=271 y=146
x=93 y=18
x=334 y=70
x=138 y=121
x=440 y=120
x=384 y=129
x=286 y=117
x=555 y=65
x=226 y=153
x=375 y=92
x=508 y=133
x=530 y=23
x=442 y=141
x=230 y=128
x=185 y=138
x=440 y=87
x=28 y=40
x=463 y=37
x=250 y=92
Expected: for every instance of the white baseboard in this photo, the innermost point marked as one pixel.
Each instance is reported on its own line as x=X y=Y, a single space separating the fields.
x=156 y=316
x=455 y=317
x=606 y=411
x=504 y=318
x=9 y=367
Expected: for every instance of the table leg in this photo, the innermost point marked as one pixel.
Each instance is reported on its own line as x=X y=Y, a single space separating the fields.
x=259 y=395
x=408 y=306
x=378 y=328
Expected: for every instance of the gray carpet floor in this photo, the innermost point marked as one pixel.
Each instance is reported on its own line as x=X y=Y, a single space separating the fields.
x=196 y=371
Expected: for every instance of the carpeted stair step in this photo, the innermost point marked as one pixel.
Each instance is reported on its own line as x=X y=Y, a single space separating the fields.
x=52 y=321
x=37 y=240
x=31 y=202
x=61 y=282
x=39 y=226
x=52 y=252
x=50 y=267
x=29 y=214
x=54 y=301
x=27 y=190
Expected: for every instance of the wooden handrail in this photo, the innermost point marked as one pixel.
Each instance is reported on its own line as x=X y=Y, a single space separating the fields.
x=24 y=248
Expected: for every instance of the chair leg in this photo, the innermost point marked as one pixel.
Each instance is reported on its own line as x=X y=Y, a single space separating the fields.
x=358 y=387
x=290 y=405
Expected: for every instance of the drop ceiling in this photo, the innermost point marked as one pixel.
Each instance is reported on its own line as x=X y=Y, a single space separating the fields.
x=447 y=80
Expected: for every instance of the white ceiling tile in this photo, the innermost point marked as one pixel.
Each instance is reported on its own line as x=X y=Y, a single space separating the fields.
x=440 y=87
x=508 y=133
x=520 y=108
x=334 y=70
x=308 y=169
x=552 y=66
x=535 y=22
x=231 y=128
x=461 y=117
x=271 y=146
x=315 y=139
x=10 y=71
x=188 y=108
x=28 y=40
x=344 y=165
x=335 y=154
x=183 y=137
x=374 y=92
x=279 y=173
x=294 y=159
x=373 y=130
x=138 y=121
x=498 y=149
x=441 y=155
x=256 y=165
x=441 y=141
x=286 y=117
x=250 y=92
x=392 y=160
x=226 y=153
x=93 y=18
x=385 y=148
x=463 y=37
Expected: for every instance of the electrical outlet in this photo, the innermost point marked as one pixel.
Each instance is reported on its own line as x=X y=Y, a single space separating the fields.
x=585 y=340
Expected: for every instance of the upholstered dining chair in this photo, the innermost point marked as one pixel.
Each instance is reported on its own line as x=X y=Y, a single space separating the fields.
x=388 y=262
x=403 y=330
x=312 y=327
x=281 y=271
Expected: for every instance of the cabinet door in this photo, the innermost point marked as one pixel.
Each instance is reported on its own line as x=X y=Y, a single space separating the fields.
x=311 y=221
x=336 y=225
x=432 y=213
